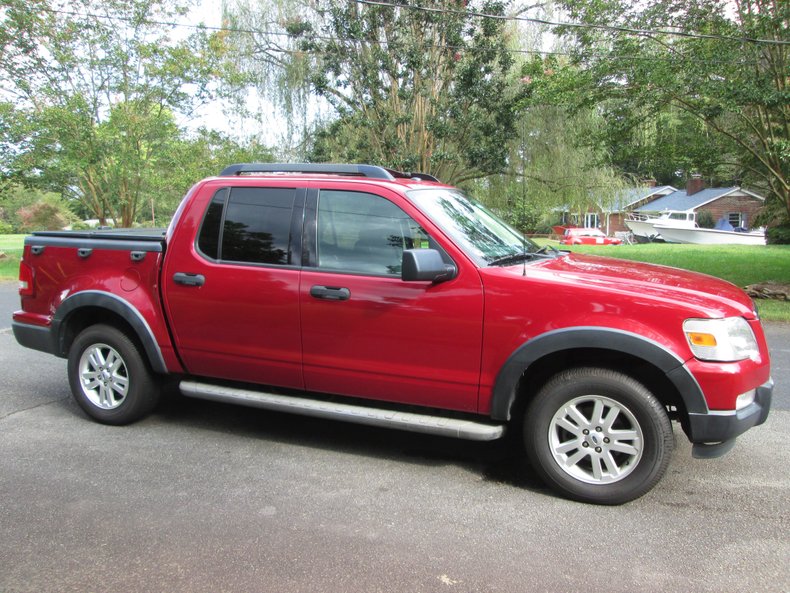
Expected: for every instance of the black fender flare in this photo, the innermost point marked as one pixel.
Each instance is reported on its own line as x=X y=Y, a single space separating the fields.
x=601 y=338
x=117 y=305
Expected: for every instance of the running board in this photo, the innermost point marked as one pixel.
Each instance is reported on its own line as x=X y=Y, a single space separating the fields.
x=423 y=423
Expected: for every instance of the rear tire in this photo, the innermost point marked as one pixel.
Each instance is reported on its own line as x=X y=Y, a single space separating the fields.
x=599 y=436
x=109 y=378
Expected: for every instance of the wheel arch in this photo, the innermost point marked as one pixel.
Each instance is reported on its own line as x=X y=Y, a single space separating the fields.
x=535 y=361
x=88 y=308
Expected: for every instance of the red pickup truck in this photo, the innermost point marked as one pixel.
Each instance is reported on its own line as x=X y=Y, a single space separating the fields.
x=367 y=295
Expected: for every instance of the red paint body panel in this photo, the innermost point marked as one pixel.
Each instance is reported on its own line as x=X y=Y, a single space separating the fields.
x=648 y=300
x=243 y=323
x=408 y=342
x=60 y=273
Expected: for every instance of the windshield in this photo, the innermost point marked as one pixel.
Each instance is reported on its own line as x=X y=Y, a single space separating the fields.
x=472 y=226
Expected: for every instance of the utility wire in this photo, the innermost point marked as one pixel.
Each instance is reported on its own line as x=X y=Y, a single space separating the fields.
x=538 y=21
x=383 y=43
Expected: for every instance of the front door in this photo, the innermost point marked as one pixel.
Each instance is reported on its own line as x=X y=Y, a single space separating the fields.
x=365 y=332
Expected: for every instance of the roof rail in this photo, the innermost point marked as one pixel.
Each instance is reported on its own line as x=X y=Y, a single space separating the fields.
x=371 y=171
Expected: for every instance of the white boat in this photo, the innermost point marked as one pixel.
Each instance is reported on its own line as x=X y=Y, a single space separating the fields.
x=643 y=225
x=699 y=236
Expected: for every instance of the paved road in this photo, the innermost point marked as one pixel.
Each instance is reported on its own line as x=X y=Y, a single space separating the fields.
x=205 y=497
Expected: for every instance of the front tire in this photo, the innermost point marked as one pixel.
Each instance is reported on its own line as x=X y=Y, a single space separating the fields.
x=109 y=378
x=599 y=436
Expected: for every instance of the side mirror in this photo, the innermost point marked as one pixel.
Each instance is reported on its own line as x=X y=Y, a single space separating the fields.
x=425 y=264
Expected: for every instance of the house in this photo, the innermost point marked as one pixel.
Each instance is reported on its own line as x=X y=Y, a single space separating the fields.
x=615 y=214
x=610 y=217
x=735 y=204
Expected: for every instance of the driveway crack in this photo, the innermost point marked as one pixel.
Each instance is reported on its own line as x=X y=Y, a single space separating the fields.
x=41 y=405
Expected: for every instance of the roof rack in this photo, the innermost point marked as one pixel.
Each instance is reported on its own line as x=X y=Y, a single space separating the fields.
x=370 y=171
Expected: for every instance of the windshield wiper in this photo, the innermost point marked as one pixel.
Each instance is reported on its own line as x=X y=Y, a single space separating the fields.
x=547 y=251
x=513 y=258
x=546 y=248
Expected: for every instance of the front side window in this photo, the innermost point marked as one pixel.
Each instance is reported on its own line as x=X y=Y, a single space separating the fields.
x=248 y=224
x=364 y=234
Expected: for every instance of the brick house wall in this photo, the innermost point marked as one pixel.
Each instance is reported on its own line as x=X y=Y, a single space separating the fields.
x=617 y=223
x=746 y=205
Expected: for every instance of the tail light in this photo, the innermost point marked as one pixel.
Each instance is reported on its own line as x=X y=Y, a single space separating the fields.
x=27 y=286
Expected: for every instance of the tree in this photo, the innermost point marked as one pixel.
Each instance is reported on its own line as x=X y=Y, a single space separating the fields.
x=725 y=64
x=423 y=87
x=203 y=154
x=553 y=168
x=664 y=143
x=95 y=91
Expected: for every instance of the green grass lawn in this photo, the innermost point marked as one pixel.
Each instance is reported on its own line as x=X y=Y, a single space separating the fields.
x=740 y=264
x=11 y=246
x=12 y=243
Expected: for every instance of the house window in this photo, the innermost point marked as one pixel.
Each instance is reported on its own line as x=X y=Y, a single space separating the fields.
x=736 y=219
x=591 y=220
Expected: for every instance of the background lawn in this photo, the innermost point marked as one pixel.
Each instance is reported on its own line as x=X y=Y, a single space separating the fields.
x=739 y=264
x=11 y=247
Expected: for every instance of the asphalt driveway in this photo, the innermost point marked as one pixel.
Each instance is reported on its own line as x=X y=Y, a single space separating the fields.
x=209 y=497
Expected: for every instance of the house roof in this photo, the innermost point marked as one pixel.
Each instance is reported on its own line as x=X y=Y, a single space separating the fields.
x=679 y=200
x=633 y=195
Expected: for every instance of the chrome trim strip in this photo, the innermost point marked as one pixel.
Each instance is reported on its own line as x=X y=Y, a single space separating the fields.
x=422 y=423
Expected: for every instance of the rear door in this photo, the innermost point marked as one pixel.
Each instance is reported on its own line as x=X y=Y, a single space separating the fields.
x=232 y=295
x=367 y=333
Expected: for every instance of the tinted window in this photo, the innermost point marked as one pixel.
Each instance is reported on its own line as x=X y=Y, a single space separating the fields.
x=208 y=240
x=364 y=233
x=257 y=225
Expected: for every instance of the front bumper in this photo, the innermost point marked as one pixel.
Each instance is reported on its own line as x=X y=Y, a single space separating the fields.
x=714 y=432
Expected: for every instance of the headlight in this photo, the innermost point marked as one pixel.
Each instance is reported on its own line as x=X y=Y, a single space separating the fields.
x=722 y=340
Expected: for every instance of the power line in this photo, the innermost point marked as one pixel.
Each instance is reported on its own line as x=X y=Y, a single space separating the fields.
x=384 y=43
x=538 y=21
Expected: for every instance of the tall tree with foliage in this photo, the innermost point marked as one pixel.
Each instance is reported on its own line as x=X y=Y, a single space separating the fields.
x=422 y=86
x=95 y=87
x=553 y=168
x=725 y=63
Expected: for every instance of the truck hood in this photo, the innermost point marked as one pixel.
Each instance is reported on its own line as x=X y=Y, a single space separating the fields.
x=709 y=296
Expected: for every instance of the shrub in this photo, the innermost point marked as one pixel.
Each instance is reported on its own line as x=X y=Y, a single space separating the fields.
x=778 y=235
x=49 y=215
x=705 y=220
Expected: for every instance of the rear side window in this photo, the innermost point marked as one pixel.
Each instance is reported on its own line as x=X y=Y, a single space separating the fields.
x=250 y=225
x=208 y=240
